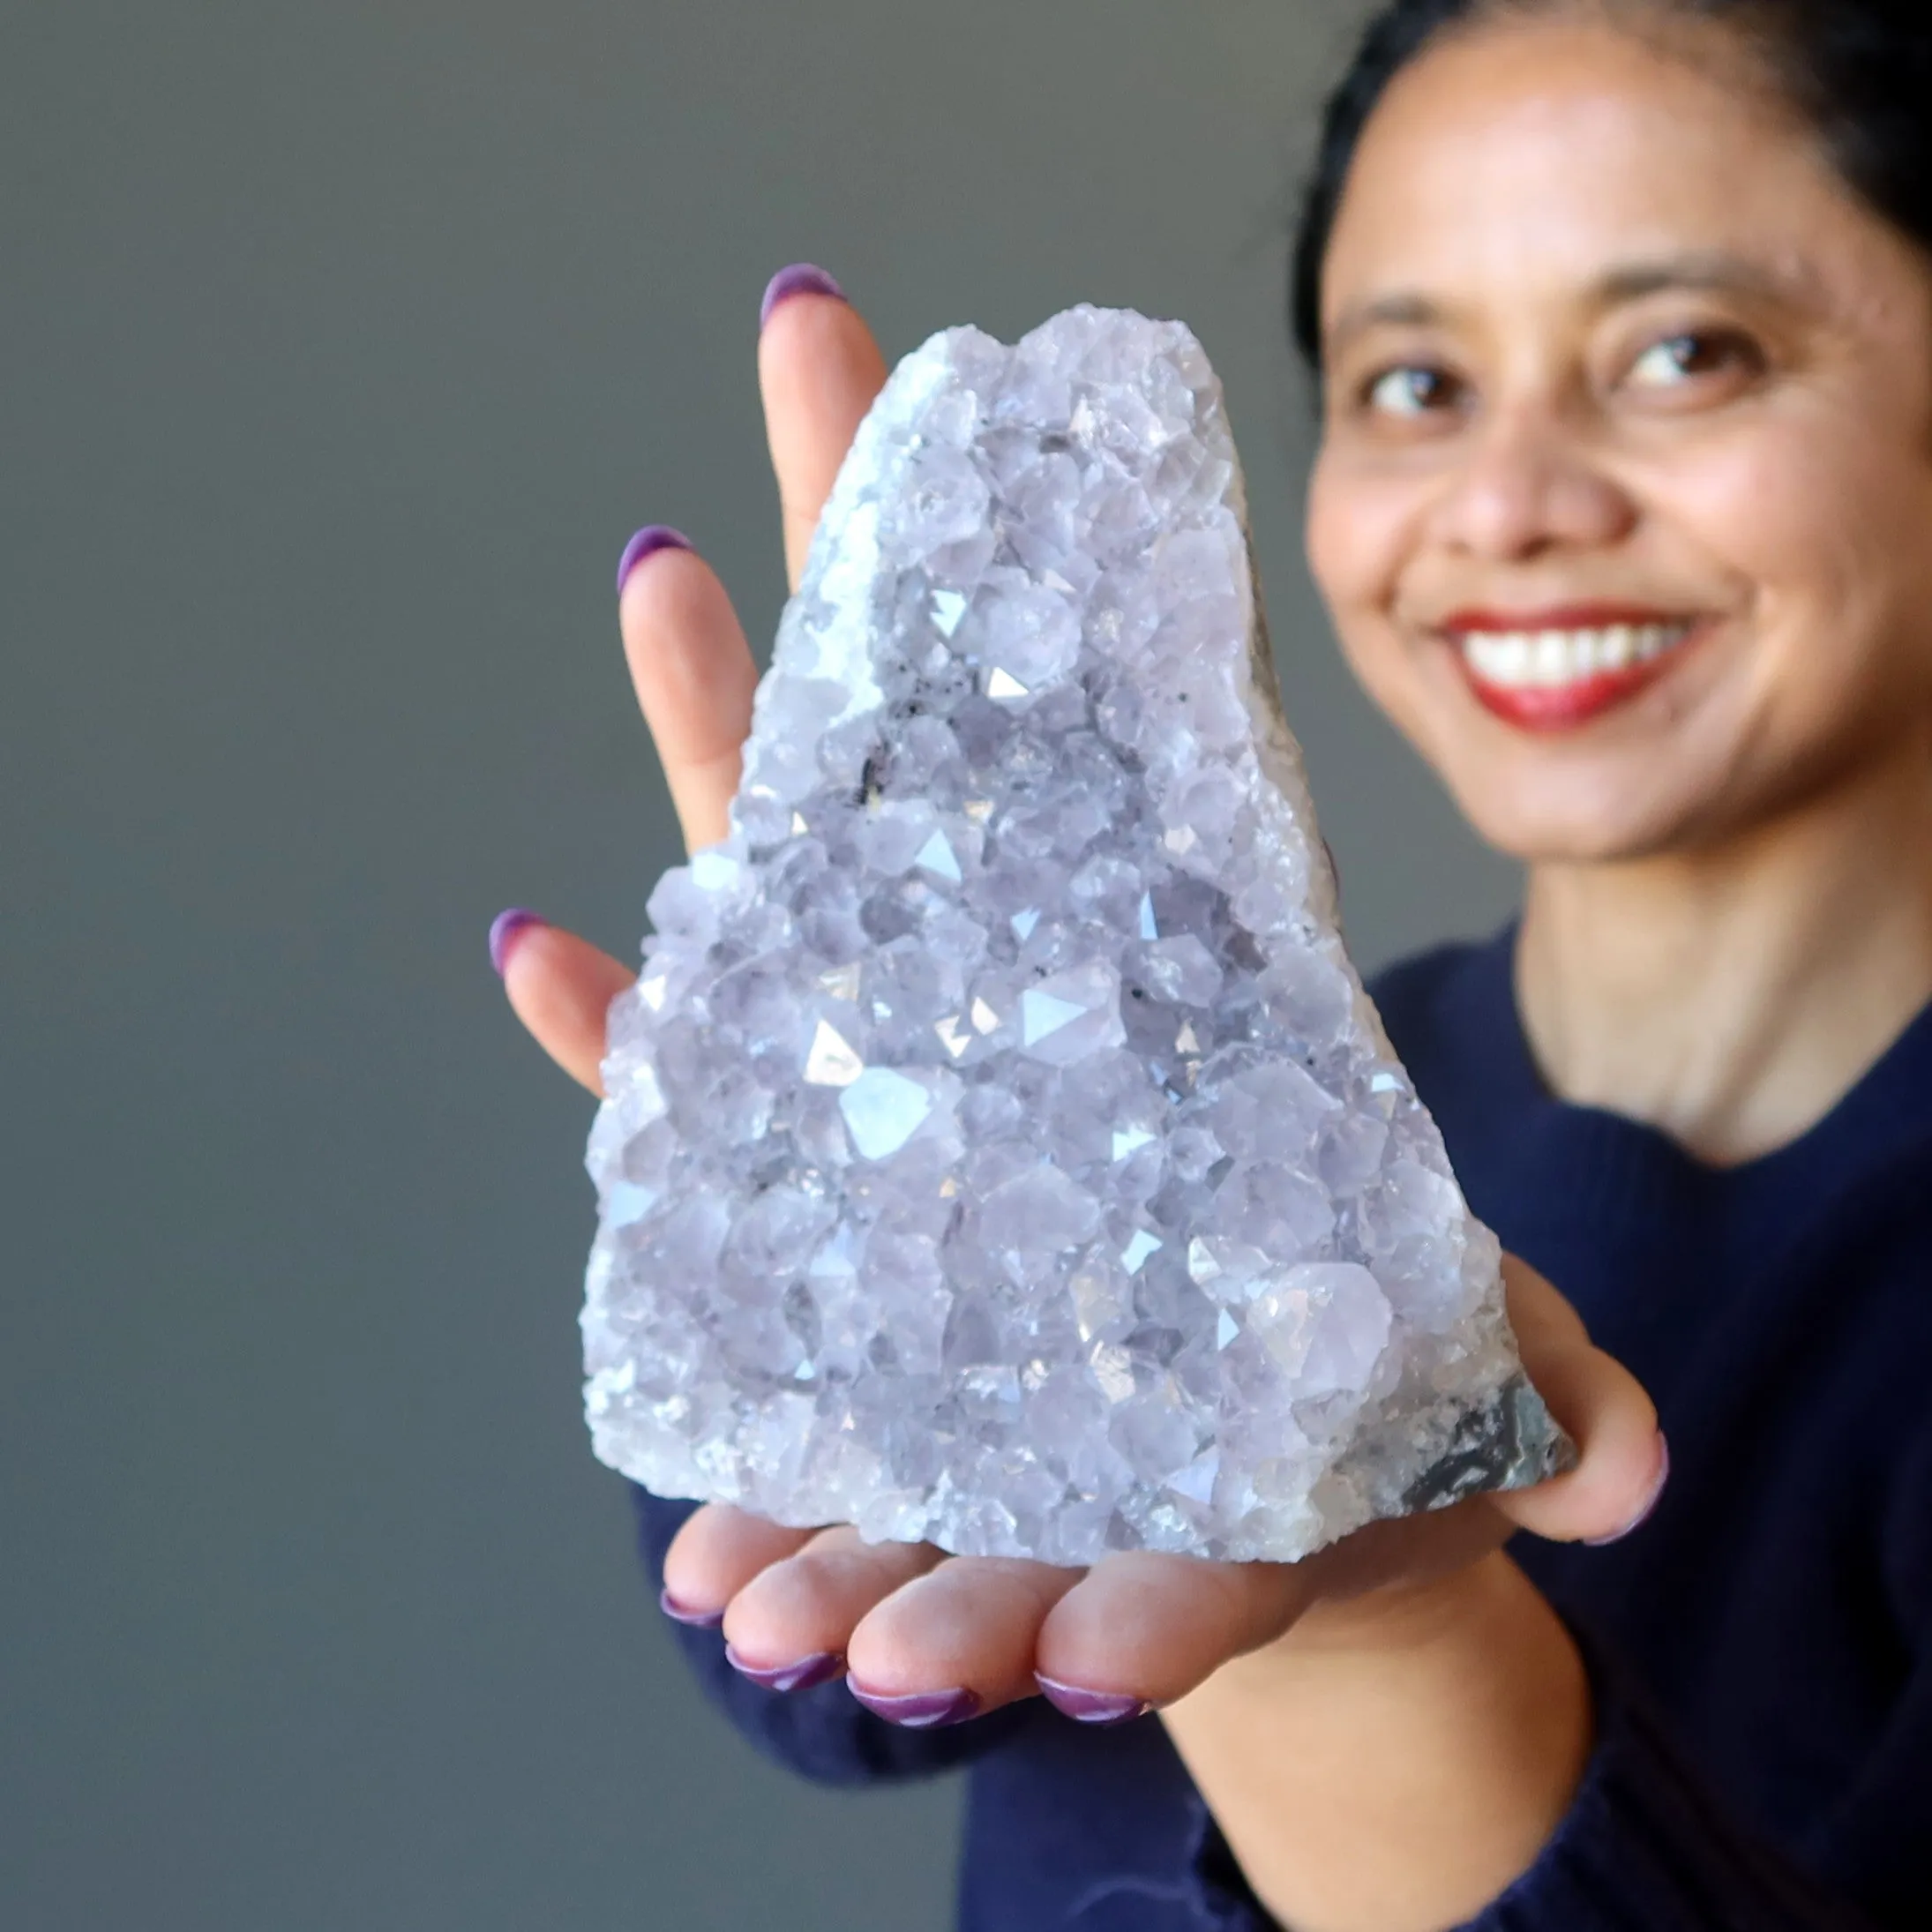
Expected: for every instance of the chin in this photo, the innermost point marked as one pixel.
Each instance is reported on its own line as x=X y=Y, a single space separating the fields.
x=1574 y=818
x=1651 y=758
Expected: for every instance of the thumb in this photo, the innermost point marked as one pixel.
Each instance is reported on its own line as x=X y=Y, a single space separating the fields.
x=1622 y=1459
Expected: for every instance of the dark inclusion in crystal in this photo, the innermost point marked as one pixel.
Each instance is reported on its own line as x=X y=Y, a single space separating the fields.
x=1000 y=1148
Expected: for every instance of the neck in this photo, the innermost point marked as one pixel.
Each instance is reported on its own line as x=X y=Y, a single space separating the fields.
x=1730 y=997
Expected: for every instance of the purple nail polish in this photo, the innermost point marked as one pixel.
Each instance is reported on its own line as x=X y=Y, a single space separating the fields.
x=652 y=538
x=920 y=1710
x=503 y=932
x=1096 y=1707
x=698 y=1620
x=801 y=278
x=1650 y=1507
x=820 y=1668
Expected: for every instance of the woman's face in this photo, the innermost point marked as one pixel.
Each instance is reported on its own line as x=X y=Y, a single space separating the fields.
x=1624 y=505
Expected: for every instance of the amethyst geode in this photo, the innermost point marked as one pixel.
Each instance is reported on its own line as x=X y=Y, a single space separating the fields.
x=1000 y=1148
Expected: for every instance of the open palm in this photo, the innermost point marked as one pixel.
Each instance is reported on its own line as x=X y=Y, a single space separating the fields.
x=929 y=1637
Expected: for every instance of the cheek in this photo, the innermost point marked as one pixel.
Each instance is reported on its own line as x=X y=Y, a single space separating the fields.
x=1341 y=547
x=1364 y=529
x=1825 y=532
x=1360 y=537
x=1821 y=530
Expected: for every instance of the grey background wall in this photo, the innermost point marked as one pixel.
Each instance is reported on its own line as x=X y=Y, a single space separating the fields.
x=340 y=348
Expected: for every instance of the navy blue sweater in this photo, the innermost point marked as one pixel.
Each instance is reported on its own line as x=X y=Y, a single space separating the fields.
x=1760 y=1652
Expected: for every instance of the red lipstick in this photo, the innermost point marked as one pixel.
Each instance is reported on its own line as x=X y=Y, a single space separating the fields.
x=1511 y=673
x=1562 y=616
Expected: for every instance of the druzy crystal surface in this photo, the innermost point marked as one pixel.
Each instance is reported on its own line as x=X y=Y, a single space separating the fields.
x=1000 y=1149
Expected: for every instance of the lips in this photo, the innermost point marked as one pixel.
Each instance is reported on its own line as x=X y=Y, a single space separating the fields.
x=1554 y=670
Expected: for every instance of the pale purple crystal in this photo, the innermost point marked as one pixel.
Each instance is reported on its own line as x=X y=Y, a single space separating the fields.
x=1000 y=1148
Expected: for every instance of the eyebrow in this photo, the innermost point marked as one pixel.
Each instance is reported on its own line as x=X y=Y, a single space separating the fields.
x=1711 y=271
x=1705 y=269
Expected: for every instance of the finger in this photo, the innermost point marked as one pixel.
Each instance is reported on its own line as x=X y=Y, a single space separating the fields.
x=1620 y=1454
x=819 y=369
x=970 y=1628
x=1149 y=1627
x=561 y=988
x=694 y=679
x=718 y=1552
x=807 y=1607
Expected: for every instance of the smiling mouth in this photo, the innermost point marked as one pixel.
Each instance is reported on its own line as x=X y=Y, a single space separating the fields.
x=1558 y=671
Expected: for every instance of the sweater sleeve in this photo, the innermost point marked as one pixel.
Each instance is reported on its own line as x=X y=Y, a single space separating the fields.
x=821 y=1733
x=1644 y=1847
x=1648 y=1844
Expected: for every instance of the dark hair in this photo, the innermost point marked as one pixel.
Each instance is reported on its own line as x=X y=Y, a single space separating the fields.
x=1859 y=70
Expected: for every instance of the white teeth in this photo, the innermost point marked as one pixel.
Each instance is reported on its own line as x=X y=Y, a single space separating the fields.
x=1546 y=659
x=1556 y=657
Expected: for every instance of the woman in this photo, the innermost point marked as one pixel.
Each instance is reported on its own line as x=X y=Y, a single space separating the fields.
x=1621 y=315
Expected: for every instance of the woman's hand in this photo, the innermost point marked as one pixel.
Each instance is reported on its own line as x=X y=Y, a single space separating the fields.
x=819 y=369
x=928 y=1638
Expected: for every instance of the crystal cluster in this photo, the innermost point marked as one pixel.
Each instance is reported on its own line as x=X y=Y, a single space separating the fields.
x=1000 y=1148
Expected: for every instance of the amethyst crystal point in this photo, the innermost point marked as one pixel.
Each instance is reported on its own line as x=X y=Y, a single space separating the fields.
x=1000 y=1149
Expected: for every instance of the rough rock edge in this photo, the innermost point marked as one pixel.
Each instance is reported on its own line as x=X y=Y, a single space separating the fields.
x=1509 y=1442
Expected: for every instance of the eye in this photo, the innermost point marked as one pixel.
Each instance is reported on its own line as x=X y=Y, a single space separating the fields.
x=1411 y=391
x=1693 y=355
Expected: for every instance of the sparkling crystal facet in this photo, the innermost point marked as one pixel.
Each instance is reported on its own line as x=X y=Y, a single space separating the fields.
x=1000 y=1148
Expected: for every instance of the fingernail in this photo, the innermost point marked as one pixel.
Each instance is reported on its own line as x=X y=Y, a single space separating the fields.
x=921 y=1710
x=648 y=542
x=1090 y=1706
x=698 y=1620
x=1650 y=1503
x=801 y=278
x=505 y=929
x=820 y=1667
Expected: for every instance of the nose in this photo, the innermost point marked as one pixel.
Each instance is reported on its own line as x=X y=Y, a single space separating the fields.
x=1527 y=485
